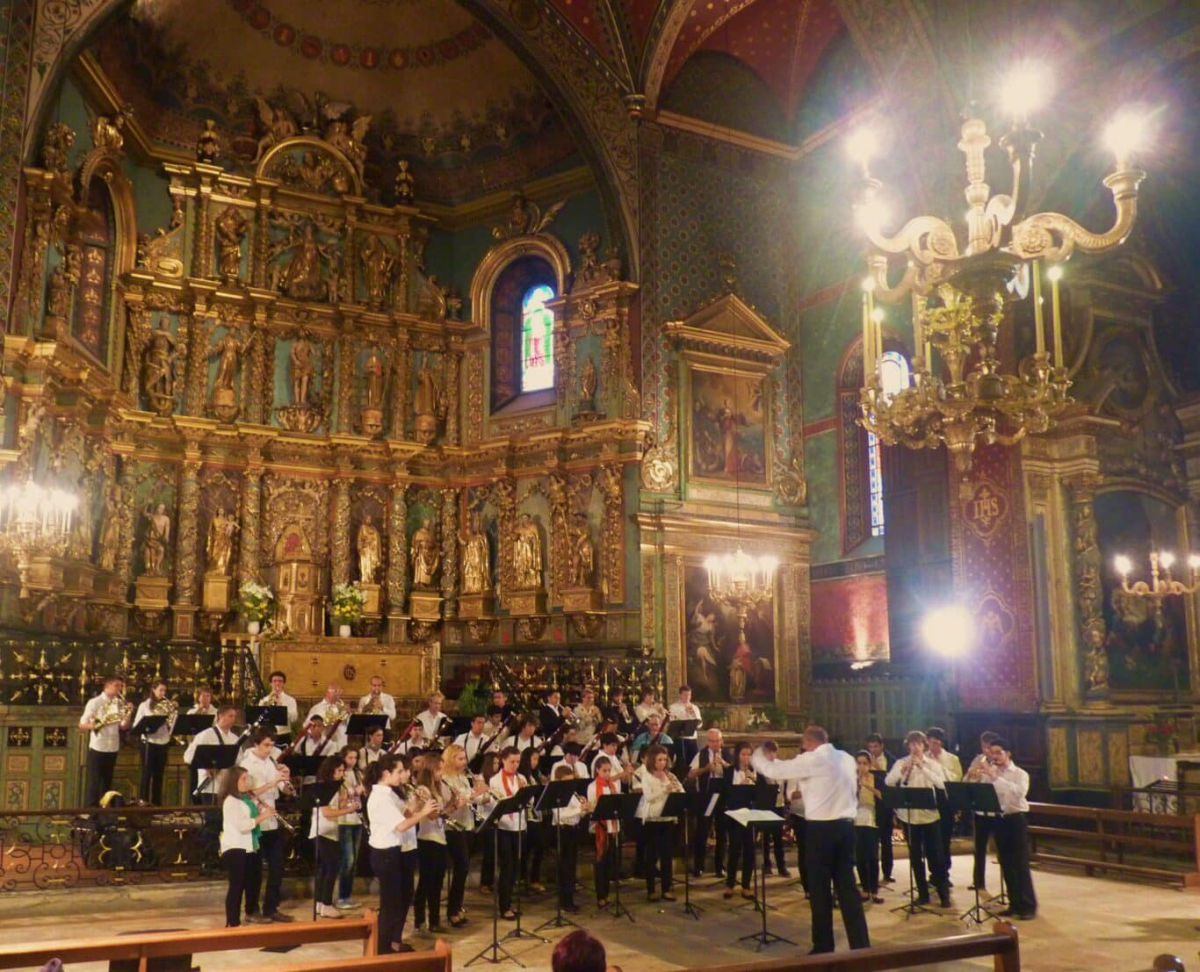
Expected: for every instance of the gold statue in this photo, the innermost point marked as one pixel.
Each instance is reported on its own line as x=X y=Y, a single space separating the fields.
x=107 y=133
x=582 y=552
x=80 y=545
x=427 y=405
x=229 y=349
x=301 y=357
x=405 y=190
x=476 y=570
x=158 y=536
x=304 y=276
x=209 y=144
x=278 y=124
x=368 y=550
x=220 y=542
x=425 y=555
x=374 y=372
x=587 y=386
x=158 y=374
x=527 y=555
x=348 y=139
x=230 y=228
x=377 y=261
x=110 y=532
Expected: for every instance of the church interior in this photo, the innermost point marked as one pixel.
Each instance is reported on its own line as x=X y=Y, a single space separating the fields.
x=828 y=358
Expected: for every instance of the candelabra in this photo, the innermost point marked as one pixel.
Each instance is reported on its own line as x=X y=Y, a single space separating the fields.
x=35 y=525
x=741 y=582
x=1162 y=585
x=962 y=293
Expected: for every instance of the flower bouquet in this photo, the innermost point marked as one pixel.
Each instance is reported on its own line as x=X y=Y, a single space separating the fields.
x=348 y=602
x=1163 y=735
x=254 y=604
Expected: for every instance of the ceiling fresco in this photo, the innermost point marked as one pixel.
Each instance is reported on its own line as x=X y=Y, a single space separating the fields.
x=441 y=92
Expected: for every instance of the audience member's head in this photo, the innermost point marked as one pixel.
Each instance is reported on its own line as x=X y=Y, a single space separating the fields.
x=579 y=952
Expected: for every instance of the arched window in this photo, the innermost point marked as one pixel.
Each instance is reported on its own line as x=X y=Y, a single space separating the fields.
x=97 y=259
x=894 y=378
x=537 y=340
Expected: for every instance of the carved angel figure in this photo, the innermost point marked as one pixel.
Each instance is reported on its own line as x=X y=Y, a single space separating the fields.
x=107 y=132
x=425 y=555
x=525 y=218
x=210 y=144
x=348 y=139
x=527 y=555
x=278 y=125
x=230 y=229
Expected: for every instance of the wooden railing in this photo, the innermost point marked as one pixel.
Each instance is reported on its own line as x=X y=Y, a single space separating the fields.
x=1105 y=836
x=1001 y=944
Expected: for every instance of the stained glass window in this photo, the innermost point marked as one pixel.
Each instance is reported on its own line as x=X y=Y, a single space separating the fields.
x=894 y=377
x=537 y=340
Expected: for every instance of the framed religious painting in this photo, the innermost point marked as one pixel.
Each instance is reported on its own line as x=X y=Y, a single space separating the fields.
x=728 y=427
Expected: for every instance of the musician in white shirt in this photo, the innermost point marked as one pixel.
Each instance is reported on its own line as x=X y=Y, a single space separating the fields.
x=335 y=728
x=372 y=750
x=475 y=739
x=377 y=701
x=588 y=715
x=570 y=757
x=267 y=778
x=240 y=837
x=154 y=745
x=277 y=696
x=707 y=765
x=204 y=703
x=431 y=719
x=511 y=826
x=527 y=735
x=103 y=741
x=685 y=710
x=220 y=734
x=919 y=769
x=649 y=704
x=657 y=783
x=954 y=772
x=1012 y=829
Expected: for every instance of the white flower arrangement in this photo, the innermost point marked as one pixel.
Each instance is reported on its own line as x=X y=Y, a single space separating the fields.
x=255 y=600
x=348 y=602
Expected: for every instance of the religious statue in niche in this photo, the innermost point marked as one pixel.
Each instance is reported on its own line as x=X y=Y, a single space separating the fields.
x=426 y=554
x=63 y=280
x=405 y=190
x=157 y=539
x=377 y=262
x=582 y=552
x=110 y=531
x=429 y=405
x=303 y=414
x=586 y=407
x=79 y=547
x=158 y=369
x=303 y=277
x=371 y=416
x=527 y=555
x=219 y=549
x=348 y=138
x=224 y=399
x=369 y=548
x=230 y=228
x=210 y=144
x=476 y=569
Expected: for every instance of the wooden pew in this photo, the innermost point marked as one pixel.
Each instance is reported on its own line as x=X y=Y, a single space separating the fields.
x=142 y=948
x=439 y=959
x=1001 y=943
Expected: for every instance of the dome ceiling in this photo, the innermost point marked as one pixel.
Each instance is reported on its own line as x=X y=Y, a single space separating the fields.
x=441 y=90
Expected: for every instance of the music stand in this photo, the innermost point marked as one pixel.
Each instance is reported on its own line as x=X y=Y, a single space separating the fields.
x=677 y=806
x=266 y=715
x=910 y=798
x=213 y=758
x=500 y=809
x=687 y=748
x=526 y=795
x=618 y=807
x=741 y=796
x=766 y=797
x=556 y=796
x=969 y=798
x=718 y=786
x=317 y=795
x=765 y=821
x=364 y=725
x=190 y=725
x=303 y=767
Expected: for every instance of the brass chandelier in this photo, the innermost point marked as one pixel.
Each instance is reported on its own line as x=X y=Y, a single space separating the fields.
x=961 y=294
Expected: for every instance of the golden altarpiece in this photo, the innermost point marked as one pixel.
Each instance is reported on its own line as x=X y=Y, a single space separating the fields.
x=273 y=387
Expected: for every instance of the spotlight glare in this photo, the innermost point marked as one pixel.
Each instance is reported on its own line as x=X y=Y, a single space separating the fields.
x=1127 y=134
x=1123 y=564
x=949 y=630
x=1025 y=90
x=863 y=144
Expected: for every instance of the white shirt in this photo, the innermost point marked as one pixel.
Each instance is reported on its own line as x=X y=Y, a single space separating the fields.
x=162 y=735
x=262 y=772
x=471 y=743
x=108 y=739
x=463 y=815
x=524 y=744
x=951 y=766
x=1012 y=784
x=367 y=755
x=429 y=723
x=293 y=711
x=581 y=771
x=928 y=774
x=385 y=700
x=337 y=741
x=322 y=825
x=679 y=712
x=569 y=815
x=434 y=828
x=614 y=759
x=385 y=810
x=643 y=712
x=208 y=737
x=237 y=826
x=654 y=796
x=589 y=717
x=829 y=777
x=510 y=821
x=211 y=710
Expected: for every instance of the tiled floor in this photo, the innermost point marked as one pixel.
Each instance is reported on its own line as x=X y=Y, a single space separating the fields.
x=1084 y=923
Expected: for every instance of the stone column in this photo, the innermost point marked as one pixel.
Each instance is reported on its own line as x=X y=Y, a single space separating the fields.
x=186 y=542
x=1091 y=668
x=450 y=552
x=251 y=519
x=340 y=541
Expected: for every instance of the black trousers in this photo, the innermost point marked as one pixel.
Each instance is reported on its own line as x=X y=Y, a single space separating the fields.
x=270 y=857
x=1012 y=842
x=533 y=850
x=100 y=768
x=637 y=830
x=458 y=845
x=154 y=769
x=925 y=846
x=741 y=851
x=829 y=848
x=701 y=827
x=487 y=865
x=329 y=862
x=984 y=828
x=866 y=845
x=885 y=820
x=607 y=866
x=946 y=829
x=507 y=866
x=431 y=874
x=237 y=865
x=774 y=842
x=798 y=831
x=658 y=838
x=394 y=869
x=567 y=839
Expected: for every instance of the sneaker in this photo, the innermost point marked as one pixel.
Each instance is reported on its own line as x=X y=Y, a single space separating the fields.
x=328 y=911
x=345 y=904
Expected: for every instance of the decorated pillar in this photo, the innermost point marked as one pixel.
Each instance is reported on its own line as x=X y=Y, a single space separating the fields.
x=340 y=541
x=612 y=533
x=126 y=484
x=504 y=495
x=196 y=367
x=347 y=350
x=262 y=239
x=251 y=541
x=186 y=542
x=397 y=561
x=450 y=552
x=454 y=405
x=1091 y=667
x=400 y=387
x=203 y=257
x=560 y=510
x=258 y=396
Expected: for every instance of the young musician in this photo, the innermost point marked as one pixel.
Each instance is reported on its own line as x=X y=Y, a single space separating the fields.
x=335 y=726
x=241 y=818
x=431 y=847
x=204 y=703
x=393 y=842
x=885 y=821
x=620 y=713
x=372 y=750
x=608 y=847
x=919 y=769
x=487 y=865
x=1012 y=829
x=415 y=743
x=954 y=773
x=324 y=830
x=103 y=719
x=571 y=752
x=533 y=848
x=588 y=715
x=221 y=734
x=154 y=745
x=377 y=701
x=984 y=823
x=354 y=791
x=684 y=710
x=511 y=826
x=552 y=712
x=609 y=744
x=313 y=743
x=431 y=718
x=527 y=734
x=866 y=840
x=473 y=740
x=500 y=703
x=266 y=777
x=495 y=722
x=278 y=696
x=741 y=839
x=649 y=705
x=657 y=784
x=708 y=765
x=566 y=821
x=467 y=795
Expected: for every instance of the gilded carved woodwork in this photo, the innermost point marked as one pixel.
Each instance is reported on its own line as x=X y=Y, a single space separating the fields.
x=340 y=556
x=397 y=559
x=449 y=538
x=1091 y=629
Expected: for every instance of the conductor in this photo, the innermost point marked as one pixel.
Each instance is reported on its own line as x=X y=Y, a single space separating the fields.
x=828 y=779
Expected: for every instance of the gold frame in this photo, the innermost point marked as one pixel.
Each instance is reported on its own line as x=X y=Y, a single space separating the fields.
x=736 y=372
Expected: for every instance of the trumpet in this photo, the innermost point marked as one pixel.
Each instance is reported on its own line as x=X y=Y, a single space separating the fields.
x=374 y=705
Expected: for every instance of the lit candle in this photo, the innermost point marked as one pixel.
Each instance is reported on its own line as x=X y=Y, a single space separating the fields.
x=1055 y=275
x=1037 y=307
x=866 y=337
